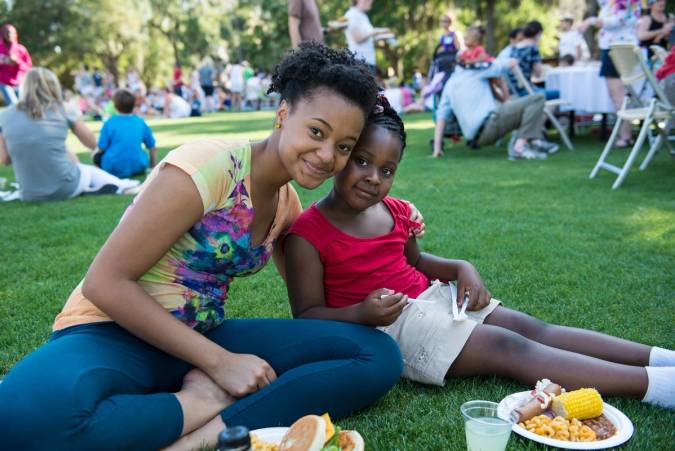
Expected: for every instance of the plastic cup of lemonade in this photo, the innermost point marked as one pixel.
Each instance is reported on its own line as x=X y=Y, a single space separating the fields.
x=485 y=431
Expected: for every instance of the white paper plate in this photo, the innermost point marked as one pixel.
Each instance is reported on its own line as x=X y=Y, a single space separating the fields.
x=338 y=25
x=623 y=425
x=270 y=435
x=383 y=36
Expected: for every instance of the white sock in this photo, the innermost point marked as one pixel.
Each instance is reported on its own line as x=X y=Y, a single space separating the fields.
x=661 y=386
x=125 y=184
x=661 y=357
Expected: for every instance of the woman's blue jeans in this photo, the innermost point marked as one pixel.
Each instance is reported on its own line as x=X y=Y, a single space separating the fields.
x=96 y=386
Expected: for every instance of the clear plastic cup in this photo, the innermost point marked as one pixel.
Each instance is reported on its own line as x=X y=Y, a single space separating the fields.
x=3 y=183
x=485 y=431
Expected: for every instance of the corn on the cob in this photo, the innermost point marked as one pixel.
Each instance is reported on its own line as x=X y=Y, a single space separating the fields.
x=330 y=429
x=581 y=404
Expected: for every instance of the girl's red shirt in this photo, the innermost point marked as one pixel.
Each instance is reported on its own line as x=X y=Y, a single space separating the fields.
x=353 y=267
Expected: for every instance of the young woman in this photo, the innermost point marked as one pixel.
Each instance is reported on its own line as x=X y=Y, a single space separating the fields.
x=359 y=264
x=149 y=315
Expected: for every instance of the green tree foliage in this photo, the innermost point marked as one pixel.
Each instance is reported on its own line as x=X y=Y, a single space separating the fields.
x=151 y=35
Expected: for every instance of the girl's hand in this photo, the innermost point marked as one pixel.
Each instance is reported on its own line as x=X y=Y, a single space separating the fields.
x=241 y=374
x=416 y=216
x=469 y=281
x=378 y=311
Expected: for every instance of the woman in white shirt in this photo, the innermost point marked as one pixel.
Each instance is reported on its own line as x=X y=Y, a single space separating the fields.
x=360 y=32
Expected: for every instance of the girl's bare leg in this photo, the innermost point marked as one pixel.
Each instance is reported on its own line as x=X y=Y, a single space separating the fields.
x=496 y=350
x=581 y=341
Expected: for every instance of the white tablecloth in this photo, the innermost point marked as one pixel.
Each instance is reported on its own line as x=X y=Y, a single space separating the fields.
x=583 y=87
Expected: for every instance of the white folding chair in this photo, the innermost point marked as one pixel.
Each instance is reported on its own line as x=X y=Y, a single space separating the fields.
x=549 y=107
x=660 y=54
x=632 y=67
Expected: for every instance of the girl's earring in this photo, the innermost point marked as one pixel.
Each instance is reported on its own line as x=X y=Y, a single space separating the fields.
x=277 y=125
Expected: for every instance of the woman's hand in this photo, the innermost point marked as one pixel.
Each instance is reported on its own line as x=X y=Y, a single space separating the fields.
x=469 y=282
x=376 y=310
x=241 y=374
x=416 y=216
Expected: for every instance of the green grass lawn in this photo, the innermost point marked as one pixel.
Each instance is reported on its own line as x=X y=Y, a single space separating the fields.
x=546 y=239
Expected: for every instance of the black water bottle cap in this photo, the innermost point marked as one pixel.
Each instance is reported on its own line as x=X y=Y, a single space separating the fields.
x=234 y=437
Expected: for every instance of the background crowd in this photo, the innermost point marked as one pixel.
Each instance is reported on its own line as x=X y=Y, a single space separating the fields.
x=471 y=92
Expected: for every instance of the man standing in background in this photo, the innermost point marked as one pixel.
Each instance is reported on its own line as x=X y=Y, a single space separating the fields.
x=304 y=23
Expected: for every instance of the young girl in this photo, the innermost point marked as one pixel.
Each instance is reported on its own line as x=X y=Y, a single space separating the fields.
x=474 y=54
x=150 y=313
x=349 y=258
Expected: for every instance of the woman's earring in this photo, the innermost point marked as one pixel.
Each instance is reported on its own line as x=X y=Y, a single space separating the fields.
x=277 y=125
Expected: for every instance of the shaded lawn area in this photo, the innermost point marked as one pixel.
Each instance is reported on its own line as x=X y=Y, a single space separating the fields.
x=546 y=239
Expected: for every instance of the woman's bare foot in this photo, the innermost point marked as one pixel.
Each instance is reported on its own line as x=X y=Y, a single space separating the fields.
x=201 y=399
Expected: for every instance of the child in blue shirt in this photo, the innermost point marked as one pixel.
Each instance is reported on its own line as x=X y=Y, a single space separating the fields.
x=119 y=144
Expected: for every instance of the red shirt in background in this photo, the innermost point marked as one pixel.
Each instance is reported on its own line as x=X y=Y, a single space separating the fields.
x=354 y=267
x=177 y=77
x=474 y=55
x=12 y=73
x=668 y=66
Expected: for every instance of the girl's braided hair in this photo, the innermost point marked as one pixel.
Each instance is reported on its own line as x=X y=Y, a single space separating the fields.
x=383 y=115
x=313 y=65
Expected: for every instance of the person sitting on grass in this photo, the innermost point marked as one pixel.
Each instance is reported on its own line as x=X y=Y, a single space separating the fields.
x=119 y=144
x=483 y=120
x=33 y=136
x=350 y=257
x=174 y=106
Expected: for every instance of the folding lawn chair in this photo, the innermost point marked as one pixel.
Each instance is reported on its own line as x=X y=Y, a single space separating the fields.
x=659 y=54
x=548 y=109
x=632 y=67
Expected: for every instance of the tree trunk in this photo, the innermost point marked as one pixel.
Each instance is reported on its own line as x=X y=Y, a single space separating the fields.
x=589 y=35
x=174 y=45
x=490 y=26
x=110 y=63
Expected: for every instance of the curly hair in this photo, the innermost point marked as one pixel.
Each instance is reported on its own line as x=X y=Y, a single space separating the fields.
x=383 y=115
x=313 y=65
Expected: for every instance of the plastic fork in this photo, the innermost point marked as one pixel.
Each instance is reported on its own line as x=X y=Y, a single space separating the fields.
x=461 y=315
